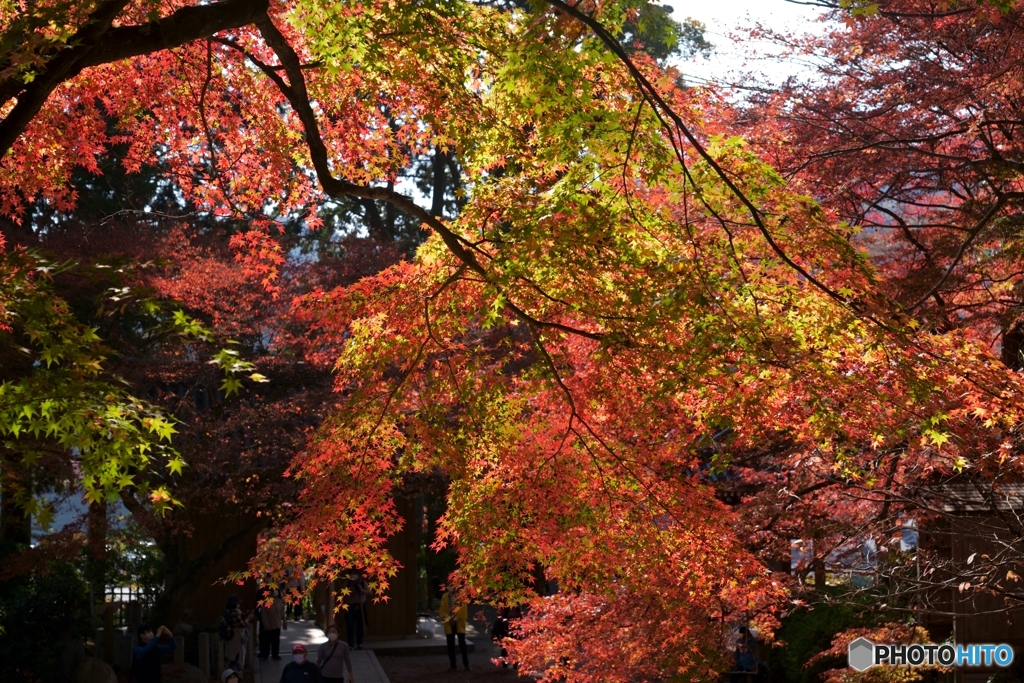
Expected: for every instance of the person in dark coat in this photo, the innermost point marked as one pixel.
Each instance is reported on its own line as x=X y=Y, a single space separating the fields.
x=502 y=629
x=355 y=609
x=745 y=663
x=147 y=653
x=271 y=620
x=301 y=670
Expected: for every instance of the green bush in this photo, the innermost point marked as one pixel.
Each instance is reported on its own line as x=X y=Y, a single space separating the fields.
x=39 y=614
x=807 y=632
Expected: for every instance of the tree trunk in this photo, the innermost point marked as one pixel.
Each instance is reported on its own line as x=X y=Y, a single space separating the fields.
x=439 y=163
x=96 y=569
x=15 y=526
x=195 y=563
x=819 y=564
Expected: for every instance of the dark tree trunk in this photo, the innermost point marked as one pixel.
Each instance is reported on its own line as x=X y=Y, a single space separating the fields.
x=96 y=569
x=195 y=562
x=15 y=526
x=374 y=221
x=439 y=160
x=819 y=564
x=1013 y=347
x=390 y=216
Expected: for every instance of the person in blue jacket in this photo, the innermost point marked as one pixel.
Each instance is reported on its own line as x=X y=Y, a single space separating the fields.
x=146 y=655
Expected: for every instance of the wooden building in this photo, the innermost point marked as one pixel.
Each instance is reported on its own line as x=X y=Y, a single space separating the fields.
x=221 y=544
x=981 y=528
x=394 y=618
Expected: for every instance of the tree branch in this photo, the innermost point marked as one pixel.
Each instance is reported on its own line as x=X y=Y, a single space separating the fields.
x=97 y=43
x=975 y=231
x=297 y=95
x=661 y=107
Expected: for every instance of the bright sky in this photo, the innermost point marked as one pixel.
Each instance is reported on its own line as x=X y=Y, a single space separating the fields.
x=722 y=17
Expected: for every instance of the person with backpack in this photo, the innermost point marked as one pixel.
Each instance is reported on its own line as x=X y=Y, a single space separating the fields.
x=333 y=658
x=234 y=631
x=355 y=608
x=146 y=655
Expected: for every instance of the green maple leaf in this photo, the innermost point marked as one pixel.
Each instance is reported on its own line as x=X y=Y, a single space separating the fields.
x=230 y=385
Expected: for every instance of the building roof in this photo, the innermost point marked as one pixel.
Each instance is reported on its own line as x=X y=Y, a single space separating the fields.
x=979 y=497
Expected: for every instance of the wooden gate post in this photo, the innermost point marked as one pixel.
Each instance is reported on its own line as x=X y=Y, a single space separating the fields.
x=204 y=654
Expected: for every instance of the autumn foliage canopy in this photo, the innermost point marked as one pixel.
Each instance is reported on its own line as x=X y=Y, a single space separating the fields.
x=646 y=296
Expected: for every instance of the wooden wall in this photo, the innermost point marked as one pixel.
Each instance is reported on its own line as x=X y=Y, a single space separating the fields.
x=980 y=617
x=395 y=618
x=975 y=626
x=206 y=596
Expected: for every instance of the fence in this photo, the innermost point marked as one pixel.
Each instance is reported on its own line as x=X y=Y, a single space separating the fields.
x=145 y=598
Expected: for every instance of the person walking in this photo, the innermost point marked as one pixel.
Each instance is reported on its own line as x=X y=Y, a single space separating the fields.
x=235 y=632
x=231 y=676
x=355 y=611
x=296 y=586
x=502 y=629
x=453 y=615
x=146 y=655
x=301 y=670
x=272 y=620
x=333 y=658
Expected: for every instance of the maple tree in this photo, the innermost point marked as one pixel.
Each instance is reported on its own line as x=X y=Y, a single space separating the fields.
x=72 y=422
x=909 y=133
x=56 y=391
x=929 y=153
x=232 y=450
x=614 y=280
x=238 y=448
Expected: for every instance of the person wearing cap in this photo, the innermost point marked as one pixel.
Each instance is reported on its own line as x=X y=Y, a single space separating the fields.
x=146 y=655
x=231 y=676
x=301 y=670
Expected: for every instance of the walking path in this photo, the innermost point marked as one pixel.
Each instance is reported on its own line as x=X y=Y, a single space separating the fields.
x=364 y=662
